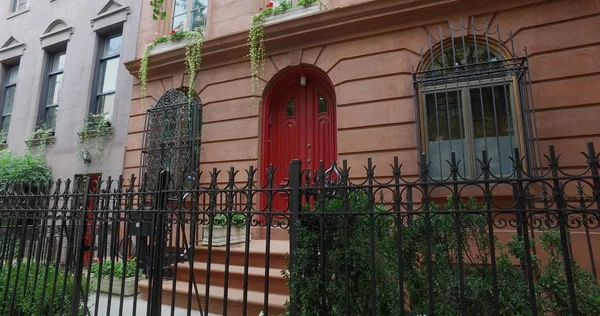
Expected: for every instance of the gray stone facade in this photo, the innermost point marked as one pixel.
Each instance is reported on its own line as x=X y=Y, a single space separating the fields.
x=27 y=37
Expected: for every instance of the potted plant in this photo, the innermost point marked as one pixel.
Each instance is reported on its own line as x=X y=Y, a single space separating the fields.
x=103 y=271
x=219 y=230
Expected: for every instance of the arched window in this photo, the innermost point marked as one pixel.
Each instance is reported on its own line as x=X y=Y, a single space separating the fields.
x=469 y=100
x=172 y=137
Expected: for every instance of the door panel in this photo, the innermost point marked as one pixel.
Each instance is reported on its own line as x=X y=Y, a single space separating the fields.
x=301 y=125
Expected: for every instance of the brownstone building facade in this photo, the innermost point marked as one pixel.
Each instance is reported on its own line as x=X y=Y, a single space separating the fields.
x=359 y=58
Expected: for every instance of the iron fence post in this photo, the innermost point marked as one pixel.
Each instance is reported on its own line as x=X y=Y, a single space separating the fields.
x=561 y=208
x=160 y=245
x=80 y=243
x=295 y=176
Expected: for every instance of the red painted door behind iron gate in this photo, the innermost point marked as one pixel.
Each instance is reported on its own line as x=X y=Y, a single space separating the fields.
x=301 y=125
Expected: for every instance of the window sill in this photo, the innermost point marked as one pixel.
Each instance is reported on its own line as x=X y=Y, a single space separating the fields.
x=17 y=13
x=36 y=142
x=167 y=47
x=292 y=13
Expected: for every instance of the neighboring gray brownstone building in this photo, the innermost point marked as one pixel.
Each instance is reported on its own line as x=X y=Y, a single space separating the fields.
x=62 y=60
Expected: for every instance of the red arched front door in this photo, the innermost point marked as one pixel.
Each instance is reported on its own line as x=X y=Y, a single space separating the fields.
x=299 y=124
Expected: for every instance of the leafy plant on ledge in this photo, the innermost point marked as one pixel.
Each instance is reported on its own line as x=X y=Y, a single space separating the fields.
x=256 y=37
x=158 y=10
x=193 y=57
x=95 y=130
x=237 y=220
x=40 y=138
x=3 y=139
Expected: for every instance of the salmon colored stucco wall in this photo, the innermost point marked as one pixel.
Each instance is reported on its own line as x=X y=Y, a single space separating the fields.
x=373 y=85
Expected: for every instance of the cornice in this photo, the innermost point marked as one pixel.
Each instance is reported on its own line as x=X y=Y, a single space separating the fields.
x=333 y=25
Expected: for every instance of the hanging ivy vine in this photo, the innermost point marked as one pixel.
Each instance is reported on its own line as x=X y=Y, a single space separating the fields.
x=158 y=11
x=40 y=139
x=193 y=57
x=256 y=38
x=256 y=45
x=95 y=131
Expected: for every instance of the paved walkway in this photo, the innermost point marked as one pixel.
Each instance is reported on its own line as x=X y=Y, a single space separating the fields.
x=103 y=308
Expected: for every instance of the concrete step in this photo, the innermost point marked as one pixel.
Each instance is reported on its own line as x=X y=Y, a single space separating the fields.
x=256 y=276
x=278 y=251
x=182 y=297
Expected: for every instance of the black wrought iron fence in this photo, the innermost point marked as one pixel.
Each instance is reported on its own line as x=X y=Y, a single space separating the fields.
x=322 y=244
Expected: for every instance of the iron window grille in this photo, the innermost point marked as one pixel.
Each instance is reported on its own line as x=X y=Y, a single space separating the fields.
x=53 y=88
x=189 y=15
x=10 y=86
x=18 y=5
x=472 y=94
x=172 y=138
x=110 y=53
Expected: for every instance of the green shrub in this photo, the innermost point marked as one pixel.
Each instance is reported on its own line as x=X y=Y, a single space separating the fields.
x=23 y=169
x=116 y=269
x=46 y=291
x=336 y=265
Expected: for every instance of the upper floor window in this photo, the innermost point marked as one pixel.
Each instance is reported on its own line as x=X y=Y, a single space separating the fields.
x=10 y=86
x=470 y=99
x=53 y=88
x=18 y=5
x=110 y=51
x=189 y=15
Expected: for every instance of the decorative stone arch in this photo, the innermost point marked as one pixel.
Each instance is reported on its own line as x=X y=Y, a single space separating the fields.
x=56 y=25
x=172 y=136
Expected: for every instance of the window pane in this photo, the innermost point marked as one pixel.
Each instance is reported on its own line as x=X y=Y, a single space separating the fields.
x=198 y=4
x=51 y=117
x=20 y=5
x=106 y=104
x=5 y=124
x=322 y=104
x=12 y=75
x=290 y=108
x=179 y=22
x=493 y=126
x=112 y=46
x=180 y=7
x=58 y=62
x=108 y=75
x=199 y=19
x=445 y=132
x=54 y=88
x=9 y=99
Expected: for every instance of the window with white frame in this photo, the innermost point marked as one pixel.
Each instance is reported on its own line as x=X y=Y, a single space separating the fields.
x=189 y=15
x=110 y=51
x=53 y=88
x=18 y=5
x=10 y=86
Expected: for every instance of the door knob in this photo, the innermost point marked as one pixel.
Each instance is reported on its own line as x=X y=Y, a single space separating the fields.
x=308 y=160
x=308 y=145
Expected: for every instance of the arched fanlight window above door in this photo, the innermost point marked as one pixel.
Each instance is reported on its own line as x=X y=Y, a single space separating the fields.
x=172 y=137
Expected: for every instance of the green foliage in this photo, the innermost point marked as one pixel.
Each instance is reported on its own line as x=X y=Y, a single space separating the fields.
x=158 y=11
x=257 y=50
x=306 y=2
x=3 y=137
x=193 y=57
x=95 y=130
x=52 y=292
x=23 y=169
x=116 y=269
x=40 y=138
x=237 y=220
x=335 y=263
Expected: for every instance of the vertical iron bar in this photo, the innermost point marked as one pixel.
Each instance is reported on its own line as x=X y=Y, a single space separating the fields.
x=487 y=198
x=248 y=224
x=399 y=228
x=371 y=210
x=561 y=208
x=80 y=242
x=458 y=231
x=522 y=220
x=295 y=176
x=159 y=252
x=424 y=179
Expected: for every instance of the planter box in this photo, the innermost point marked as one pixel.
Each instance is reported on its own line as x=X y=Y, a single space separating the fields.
x=219 y=235
x=292 y=13
x=167 y=46
x=129 y=289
